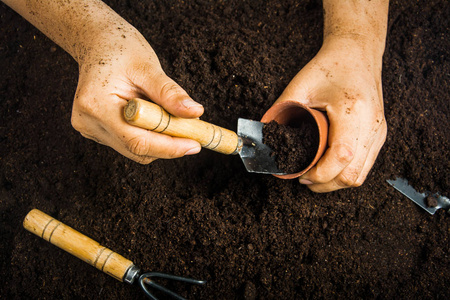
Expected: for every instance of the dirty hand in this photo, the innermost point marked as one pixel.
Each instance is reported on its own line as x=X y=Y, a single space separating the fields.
x=116 y=63
x=125 y=68
x=345 y=81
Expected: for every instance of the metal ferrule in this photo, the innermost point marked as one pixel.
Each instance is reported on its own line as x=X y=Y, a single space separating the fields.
x=239 y=146
x=131 y=274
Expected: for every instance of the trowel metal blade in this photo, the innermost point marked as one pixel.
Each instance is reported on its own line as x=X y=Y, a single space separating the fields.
x=403 y=187
x=255 y=154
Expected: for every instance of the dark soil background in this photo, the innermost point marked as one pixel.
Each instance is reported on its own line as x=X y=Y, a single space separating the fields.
x=250 y=236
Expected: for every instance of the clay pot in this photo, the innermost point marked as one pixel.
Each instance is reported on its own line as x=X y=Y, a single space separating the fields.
x=289 y=113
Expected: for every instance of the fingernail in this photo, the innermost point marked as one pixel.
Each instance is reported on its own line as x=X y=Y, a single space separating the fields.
x=188 y=103
x=305 y=181
x=193 y=151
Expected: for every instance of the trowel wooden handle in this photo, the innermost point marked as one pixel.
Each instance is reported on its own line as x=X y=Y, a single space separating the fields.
x=77 y=244
x=153 y=117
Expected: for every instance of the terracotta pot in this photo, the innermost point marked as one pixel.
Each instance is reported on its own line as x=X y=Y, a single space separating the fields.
x=289 y=113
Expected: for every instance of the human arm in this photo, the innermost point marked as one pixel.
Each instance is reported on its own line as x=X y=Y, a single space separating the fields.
x=344 y=79
x=116 y=63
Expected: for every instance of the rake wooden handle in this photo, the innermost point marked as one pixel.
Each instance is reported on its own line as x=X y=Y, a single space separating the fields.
x=153 y=117
x=77 y=244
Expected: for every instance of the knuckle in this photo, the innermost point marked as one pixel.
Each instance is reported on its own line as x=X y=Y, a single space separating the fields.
x=347 y=178
x=170 y=90
x=87 y=105
x=343 y=153
x=139 y=146
x=81 y=123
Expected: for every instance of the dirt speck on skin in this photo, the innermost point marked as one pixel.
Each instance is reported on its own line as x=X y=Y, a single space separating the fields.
x=197 y=216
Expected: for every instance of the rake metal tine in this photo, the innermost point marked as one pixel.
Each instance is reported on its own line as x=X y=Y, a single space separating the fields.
x=146 y=279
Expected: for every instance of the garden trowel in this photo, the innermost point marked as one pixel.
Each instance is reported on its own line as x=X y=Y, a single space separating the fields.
x=428 y=201
x=248 y=142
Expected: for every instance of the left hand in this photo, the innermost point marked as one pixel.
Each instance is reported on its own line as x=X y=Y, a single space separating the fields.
x=345 y=81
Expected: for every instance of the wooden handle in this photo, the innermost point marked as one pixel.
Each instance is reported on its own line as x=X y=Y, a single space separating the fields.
x=153 y=117
x=77 y=244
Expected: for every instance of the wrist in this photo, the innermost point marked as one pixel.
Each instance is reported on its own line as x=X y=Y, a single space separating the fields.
x=111 y=46
x=97 y=39
x=361 y=23
x=355 y=46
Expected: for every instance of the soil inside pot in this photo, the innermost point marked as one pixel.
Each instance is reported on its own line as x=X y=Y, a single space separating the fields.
x=294 y=148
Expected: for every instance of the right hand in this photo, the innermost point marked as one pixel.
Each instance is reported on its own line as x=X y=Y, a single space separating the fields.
x=123 y=66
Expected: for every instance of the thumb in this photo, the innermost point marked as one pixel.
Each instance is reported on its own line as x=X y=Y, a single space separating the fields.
x=300 y=88
x=307 y=88
x=162 y=90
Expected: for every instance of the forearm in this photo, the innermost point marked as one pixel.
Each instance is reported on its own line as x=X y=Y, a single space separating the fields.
x=77 y=26
x=362 y=21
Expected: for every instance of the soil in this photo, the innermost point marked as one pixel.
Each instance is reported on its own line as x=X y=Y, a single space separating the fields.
x=294 y=148
x=431 y=201
x=250 y=236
